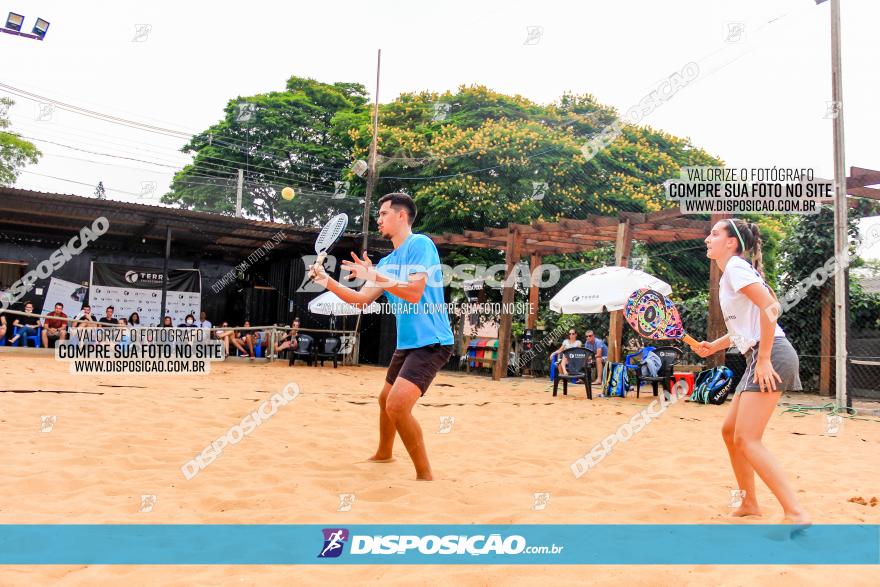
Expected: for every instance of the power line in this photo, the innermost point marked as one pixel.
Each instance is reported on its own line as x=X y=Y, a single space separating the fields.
x=189 y=136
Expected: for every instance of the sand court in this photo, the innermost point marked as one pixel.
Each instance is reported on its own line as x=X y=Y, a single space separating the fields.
x=110 y=450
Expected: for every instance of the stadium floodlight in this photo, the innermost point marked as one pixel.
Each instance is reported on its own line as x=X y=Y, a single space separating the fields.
x=14 y=21
x=40 y=28
x=359 y=167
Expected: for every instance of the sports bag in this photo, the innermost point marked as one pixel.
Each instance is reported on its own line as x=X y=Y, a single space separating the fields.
x=615 y=380
x=712 y=386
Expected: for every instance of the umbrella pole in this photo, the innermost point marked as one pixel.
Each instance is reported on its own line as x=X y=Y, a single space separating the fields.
x=356 y=348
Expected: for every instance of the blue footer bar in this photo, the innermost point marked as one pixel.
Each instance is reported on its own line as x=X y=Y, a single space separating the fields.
x=559 y=544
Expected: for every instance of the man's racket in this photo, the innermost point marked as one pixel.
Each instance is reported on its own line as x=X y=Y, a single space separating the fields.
x=329 y=236
x=654 y=317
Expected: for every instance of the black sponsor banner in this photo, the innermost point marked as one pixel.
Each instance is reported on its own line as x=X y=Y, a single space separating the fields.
x=112 y=275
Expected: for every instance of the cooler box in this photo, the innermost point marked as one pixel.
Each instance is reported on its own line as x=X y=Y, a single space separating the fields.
x=687 y=378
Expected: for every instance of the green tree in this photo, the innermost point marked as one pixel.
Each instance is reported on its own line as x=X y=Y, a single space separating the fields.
x=290 y=138
x=805 y=250
x=477 y=165
x=15 y=152
x=472 y=159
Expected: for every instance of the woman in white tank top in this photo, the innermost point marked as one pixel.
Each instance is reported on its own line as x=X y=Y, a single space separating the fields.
x=750 y=310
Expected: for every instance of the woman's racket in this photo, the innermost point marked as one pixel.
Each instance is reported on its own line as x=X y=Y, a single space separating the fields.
x=654 y=317
x=329 y=236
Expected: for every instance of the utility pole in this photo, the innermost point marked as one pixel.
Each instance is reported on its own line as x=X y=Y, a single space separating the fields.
x=371 y=171
x=840 y=212
x=238 y=192
x=165 y=272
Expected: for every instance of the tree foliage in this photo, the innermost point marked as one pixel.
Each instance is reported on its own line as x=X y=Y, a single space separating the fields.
x=15 y=152
x=471 y=159
x=808 y=246
x=292 y=138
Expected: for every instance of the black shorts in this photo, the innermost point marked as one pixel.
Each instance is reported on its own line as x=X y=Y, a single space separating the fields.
x=418 y=366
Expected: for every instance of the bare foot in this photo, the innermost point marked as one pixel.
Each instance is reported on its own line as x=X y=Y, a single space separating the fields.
x=746 y=510
x=798 y=519
x=380 y=459
x=425 y=477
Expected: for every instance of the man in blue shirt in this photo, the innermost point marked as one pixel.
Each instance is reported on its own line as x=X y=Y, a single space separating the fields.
x=596 y=345
x=410 y=278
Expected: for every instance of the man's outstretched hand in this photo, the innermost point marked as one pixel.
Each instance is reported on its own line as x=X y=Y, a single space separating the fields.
x=359 y=268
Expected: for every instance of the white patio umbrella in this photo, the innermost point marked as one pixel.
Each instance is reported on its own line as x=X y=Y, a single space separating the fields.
x=604 y=289
x=330 y=304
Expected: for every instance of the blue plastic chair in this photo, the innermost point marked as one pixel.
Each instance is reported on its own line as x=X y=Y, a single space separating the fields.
x=35 y=337
x=633 y=361
x=641 y=354
x=258 y=349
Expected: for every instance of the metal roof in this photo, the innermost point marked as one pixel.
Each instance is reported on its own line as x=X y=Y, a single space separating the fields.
x=31 y=216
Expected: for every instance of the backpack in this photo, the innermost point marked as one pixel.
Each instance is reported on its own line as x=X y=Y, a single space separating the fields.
x=615 y=380
x=712 y=386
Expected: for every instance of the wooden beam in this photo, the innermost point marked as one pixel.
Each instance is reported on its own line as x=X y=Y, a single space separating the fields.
x=664 y=215
x=558 y=247
x=622 y=251
x=861 y=177
x=575 y=236
x=633 y=217
x=668 y=235
x=863 y=192
x=534 y=263
x=512 y=256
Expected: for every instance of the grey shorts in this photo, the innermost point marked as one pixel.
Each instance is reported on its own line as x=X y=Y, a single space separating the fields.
x=785 y=361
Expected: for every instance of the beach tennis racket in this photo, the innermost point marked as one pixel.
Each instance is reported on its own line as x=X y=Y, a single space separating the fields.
x=654 y=317
x=329 y=236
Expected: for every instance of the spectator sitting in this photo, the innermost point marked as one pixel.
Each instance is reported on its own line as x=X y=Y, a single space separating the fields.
x=134 y=320
x=596 y=345
x=167 y=322
x=108 y=316
x=189 y=322
x=203 y=320
x=246 y=338
x=86 y=319
x=123 y=324
x=27 y=325
x=2 y=326
x=53 y=328
x=289 y=340
x=224 y=336
x=569 y=343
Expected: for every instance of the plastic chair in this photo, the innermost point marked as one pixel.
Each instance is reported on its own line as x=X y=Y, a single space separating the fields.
x=304 y=350
x=328 y=349
x=636 y=360
x=669 y=357
x=472 y=353
x=629 y=361
x=35 y=337
x=258 y=347
x=579 y=366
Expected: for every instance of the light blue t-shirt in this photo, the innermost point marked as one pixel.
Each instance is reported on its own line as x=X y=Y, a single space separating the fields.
x=426 y=322
x=597 y=344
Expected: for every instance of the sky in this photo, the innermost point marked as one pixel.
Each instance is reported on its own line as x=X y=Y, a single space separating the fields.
x=760 y=99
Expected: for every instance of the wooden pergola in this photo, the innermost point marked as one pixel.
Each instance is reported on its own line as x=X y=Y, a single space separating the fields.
x=538 y=239
x=572 y=236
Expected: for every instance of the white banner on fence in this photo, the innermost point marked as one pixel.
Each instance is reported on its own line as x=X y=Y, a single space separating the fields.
x=64 y=292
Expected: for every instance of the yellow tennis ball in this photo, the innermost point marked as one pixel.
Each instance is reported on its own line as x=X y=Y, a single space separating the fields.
x=287 y=193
